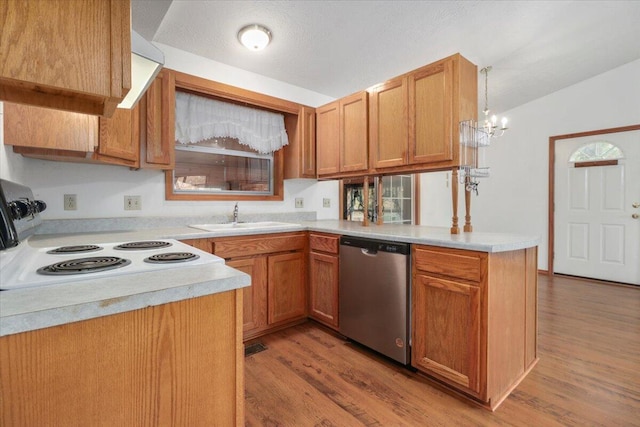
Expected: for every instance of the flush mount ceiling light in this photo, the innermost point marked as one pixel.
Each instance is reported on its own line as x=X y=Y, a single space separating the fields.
x=254 y=37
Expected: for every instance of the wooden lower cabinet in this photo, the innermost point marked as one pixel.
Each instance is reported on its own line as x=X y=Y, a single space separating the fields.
x=174 y=364
x=324 y=270
x=277 y=265
x=254 y=297
x=287 y=297
x=475 y=319
x=448 y=317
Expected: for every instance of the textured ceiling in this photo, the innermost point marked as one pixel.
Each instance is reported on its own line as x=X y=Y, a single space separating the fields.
x=339 y=47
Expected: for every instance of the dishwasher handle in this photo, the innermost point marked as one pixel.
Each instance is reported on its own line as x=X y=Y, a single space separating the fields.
x=373 y=246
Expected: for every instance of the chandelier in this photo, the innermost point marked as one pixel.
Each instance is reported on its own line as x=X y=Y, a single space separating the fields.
x=491 y=127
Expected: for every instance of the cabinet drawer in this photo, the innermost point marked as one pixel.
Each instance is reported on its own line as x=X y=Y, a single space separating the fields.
x=239 y=247
x=449 y=262
x=324 y=243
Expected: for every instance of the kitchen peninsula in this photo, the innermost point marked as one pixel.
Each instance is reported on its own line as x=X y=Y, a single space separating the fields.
x=485 y=282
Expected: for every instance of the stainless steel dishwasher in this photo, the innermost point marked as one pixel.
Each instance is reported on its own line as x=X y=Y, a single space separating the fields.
x=374 y=295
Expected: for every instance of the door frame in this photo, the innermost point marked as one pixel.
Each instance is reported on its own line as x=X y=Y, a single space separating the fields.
x=552 y=183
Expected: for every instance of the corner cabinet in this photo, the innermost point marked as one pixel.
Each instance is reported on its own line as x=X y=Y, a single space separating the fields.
x=58 y=55
x=475 y=319
x=139 y=138
x=324 y=270
x=414 y=118
x=60 y=135
x=342 y=136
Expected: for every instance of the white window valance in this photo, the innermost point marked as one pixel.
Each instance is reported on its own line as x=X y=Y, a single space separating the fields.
x=199 y=118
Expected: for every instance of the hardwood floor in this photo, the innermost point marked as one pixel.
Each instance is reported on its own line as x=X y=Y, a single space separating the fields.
x=588 y=374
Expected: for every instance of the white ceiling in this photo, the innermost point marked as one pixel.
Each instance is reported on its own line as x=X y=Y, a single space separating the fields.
x=339 y=47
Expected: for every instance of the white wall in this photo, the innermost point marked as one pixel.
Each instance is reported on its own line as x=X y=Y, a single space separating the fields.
x=100 y=188
x=515 y=197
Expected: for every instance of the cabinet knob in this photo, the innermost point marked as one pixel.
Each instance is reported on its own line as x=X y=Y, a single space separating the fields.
x=635 y=216
x=636 y=205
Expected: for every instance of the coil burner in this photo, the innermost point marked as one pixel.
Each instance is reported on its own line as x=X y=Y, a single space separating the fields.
x=84 y=265
x=150 y=244
x=171 y=257
x=75 y=249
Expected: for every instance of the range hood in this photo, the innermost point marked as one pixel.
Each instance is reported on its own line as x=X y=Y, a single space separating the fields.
x=146 y=62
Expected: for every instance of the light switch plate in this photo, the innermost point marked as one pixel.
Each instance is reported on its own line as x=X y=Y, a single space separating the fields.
x=326 y=203
x=299 y=202
x=132 y=203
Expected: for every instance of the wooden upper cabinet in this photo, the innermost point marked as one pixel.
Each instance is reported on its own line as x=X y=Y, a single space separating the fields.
x=44 y=128
x=67 y=55
x=389 y=139
x=119 y=136
x=328 y=138
x=414 y=118
x=50 y=134
x=342 y=136
x=354 y=133
x=157 y=130
x=300 y=154
x=431 y=114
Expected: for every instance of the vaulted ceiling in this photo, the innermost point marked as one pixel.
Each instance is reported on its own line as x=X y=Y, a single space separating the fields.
x=339 y=47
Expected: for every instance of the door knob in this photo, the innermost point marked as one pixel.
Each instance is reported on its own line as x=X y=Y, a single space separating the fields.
x=635 y=216
x=636 y=205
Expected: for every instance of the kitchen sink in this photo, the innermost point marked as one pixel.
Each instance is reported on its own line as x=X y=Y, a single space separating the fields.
x=244 y=226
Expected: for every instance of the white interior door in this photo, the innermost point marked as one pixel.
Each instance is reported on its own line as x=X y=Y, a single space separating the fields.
x=597 y=210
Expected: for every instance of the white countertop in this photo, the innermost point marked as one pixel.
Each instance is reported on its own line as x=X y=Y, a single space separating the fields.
x=34 y=308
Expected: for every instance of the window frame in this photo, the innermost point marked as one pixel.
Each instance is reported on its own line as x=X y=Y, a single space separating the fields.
x=220 y=91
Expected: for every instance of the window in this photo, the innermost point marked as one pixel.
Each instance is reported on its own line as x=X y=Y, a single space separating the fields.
x=596 y=151
x=222 y=153
x=222 y=165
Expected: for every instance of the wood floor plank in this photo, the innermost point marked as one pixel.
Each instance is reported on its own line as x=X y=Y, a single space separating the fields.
x=588 y=374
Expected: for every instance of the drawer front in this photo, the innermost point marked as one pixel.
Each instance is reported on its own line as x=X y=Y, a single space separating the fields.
x=448 y=262
x=257 y=245
x=324 y=243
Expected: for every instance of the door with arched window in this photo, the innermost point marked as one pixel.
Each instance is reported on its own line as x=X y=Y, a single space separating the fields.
x=597 y=204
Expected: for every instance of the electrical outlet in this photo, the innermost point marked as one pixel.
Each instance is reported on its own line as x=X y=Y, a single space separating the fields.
x=132 y=203
x=299 y=202
x=70 y=202
x=326 y=203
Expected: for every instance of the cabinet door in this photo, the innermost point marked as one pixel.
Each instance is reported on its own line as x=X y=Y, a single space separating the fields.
x=354 y=150
x=307 y=132
x=254 y=297
x=328 y=139
x=286 y=278
x=446 y=330
x=27 y=126
x=68 y=55
x=389 y=124
x=300 y=154
x=431 y=114
x=157 y=130
x=120 y=138
x=323 y=288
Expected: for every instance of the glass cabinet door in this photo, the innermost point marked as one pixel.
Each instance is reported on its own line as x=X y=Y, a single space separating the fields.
x=397 y=200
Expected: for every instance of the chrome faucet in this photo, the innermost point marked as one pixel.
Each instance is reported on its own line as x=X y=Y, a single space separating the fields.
x=235 y=213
